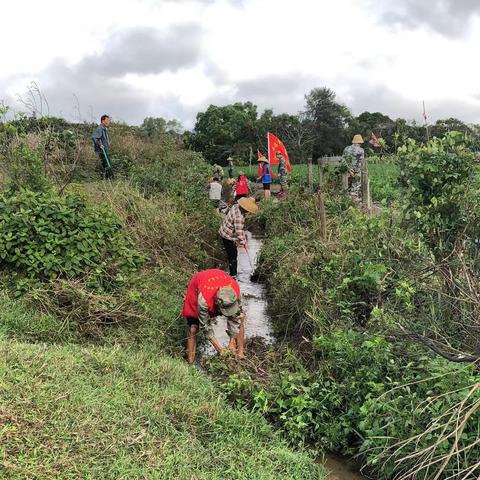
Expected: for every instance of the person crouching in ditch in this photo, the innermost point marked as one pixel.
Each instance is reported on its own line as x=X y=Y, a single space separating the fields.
x=211 y=293
x=232 y=231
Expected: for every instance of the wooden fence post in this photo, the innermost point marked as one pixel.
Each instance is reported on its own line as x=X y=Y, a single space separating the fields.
x=310 y=174
x=345 y=180
x=365 y=187
x=321 y=179
x=322 y=216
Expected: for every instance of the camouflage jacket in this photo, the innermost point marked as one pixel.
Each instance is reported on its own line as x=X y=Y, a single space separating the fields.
x=353 y=157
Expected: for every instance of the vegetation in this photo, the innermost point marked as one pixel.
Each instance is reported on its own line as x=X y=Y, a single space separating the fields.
x=93 y=275
x=379 y=321
x=323 y=127
x=377 y=316
x=127 y=413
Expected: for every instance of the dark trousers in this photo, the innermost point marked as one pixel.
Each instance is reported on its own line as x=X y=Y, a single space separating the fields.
x=232 y=254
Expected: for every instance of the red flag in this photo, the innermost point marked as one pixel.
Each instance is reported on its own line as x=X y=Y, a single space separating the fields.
x=374 y=140
x=275 y=145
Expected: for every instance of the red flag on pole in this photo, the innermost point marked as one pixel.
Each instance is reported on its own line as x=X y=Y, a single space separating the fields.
x=275 y=145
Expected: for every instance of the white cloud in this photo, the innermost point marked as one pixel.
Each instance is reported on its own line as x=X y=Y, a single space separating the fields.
x=254 y=48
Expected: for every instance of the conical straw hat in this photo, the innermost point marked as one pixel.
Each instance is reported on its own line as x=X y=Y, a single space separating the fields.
x=249 y=204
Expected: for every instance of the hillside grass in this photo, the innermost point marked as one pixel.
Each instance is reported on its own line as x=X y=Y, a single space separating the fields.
x=69 y=412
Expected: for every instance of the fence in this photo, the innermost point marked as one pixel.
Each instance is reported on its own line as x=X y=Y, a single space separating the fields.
x=325 y=162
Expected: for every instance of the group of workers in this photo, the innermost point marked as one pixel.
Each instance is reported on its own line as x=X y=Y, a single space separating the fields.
x=213 y=292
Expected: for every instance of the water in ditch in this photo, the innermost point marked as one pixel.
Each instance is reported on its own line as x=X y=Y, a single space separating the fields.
x=255 y=305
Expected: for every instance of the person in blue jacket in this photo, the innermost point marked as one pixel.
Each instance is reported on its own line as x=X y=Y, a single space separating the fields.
x=265 y=175
x=101 y=143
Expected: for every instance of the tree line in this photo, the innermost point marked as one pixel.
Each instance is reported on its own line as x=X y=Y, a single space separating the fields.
x=324 y=127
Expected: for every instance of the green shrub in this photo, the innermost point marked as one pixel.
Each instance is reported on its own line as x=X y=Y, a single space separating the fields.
x=441 y=191
x=25 y=169
x=427 y=425
x=46 y=236
x=383 y=400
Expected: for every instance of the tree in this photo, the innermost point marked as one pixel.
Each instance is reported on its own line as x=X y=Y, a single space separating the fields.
x=442 y=127
x=297 y=132
x=227 y=130
x=154 y=127
x=329 y=119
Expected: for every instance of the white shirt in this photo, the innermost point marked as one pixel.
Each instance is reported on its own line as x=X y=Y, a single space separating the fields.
x=215 y=191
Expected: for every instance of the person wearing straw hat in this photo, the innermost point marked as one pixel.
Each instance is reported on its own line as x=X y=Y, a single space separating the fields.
x=230 y=167
x=211 y=293
x=265 y=175
x=353 y=159
x=232 y=231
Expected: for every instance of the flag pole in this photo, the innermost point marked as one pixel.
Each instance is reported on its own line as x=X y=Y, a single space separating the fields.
x=268 y=147
x=250 y=167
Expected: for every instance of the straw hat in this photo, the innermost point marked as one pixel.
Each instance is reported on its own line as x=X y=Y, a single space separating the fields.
x=357 y=138
x=249 y=204
x=263 y=159
x=241 y=173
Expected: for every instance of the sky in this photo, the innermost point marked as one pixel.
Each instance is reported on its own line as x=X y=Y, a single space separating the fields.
x=172 y=58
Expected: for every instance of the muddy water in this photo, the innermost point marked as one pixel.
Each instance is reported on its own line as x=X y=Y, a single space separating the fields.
x=254 y=301
x=258 y=324
x=340 y=468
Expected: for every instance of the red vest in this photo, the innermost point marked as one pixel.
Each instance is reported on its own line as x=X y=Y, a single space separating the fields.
x=207 y=283
x=241 y=187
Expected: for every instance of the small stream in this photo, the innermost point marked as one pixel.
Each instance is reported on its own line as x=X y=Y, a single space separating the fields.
x=255 y=304
x=254 y=301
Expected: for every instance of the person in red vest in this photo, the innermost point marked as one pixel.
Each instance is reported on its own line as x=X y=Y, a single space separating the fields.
x=241 y=186
x=211 y=293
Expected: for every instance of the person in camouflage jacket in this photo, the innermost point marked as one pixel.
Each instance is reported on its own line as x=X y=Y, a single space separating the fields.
x=353 y=159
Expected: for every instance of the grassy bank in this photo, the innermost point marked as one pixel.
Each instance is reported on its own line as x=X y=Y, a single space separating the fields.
x=93 y=275
x=110 y=413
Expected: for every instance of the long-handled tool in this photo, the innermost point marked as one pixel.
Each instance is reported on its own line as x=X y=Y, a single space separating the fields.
x=109 y=165
x=254 y=276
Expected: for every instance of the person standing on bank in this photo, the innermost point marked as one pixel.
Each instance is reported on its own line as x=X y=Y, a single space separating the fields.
x=211 y=293
x=282 y=173
x=230 y=167
x=101 y=143
x=232 y=231
x=265 y=176
x=353 y=159
x=241 y=186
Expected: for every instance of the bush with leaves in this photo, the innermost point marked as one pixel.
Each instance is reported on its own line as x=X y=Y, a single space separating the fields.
x=441 y=196
x=46 y=236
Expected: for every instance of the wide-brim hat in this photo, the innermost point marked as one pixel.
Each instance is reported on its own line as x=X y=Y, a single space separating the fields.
x=227 y=301
x=249 y=204
x=357 y=139
x=263 y=159
x=241 y=173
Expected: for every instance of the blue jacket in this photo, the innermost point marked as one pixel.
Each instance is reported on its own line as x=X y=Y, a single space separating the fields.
x=266 y=174
x=100 y=133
